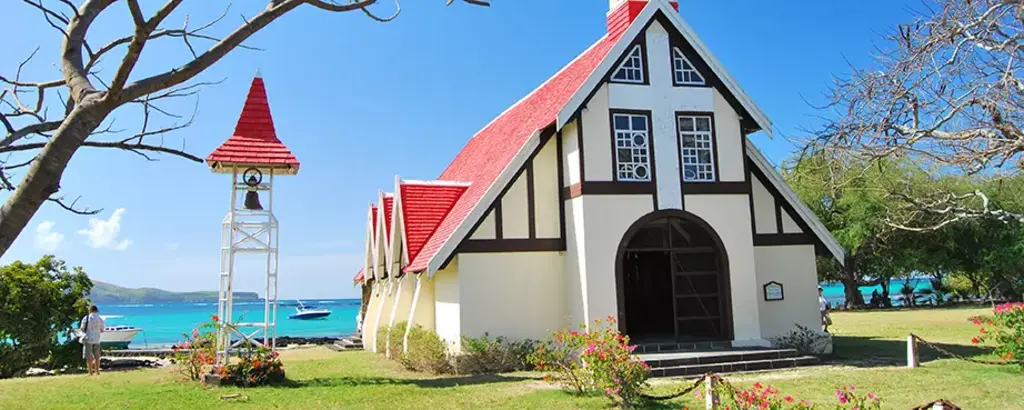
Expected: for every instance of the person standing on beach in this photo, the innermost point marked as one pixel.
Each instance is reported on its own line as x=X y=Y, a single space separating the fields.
x=826 y=319
x=92 y=329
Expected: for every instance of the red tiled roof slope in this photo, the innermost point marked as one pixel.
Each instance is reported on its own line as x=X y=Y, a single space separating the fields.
x=491 y=150
x=424 y=206
x=373 y=222
x=254 y=140
x=388 y=210
x=359 y=277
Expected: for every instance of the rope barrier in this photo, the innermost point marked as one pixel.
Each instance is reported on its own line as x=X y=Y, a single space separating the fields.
x=683 y=392
x=961 y=357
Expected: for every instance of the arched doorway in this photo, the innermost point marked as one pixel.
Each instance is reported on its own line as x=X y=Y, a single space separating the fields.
x=672 y=280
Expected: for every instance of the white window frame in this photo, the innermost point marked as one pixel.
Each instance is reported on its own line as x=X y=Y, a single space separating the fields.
x=638 y=141
x=703 y=142
x=679 y=70
x=636 y=57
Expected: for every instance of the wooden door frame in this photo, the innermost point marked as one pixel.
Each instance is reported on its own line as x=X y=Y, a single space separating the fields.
x=723 y=261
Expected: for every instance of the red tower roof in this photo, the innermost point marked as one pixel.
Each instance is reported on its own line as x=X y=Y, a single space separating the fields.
x=254 y=142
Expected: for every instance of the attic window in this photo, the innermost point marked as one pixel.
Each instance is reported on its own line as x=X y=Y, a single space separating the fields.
x=683 y=72
x=632 y=68
x=632 y=148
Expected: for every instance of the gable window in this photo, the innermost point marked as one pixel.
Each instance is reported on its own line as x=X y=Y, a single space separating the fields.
x=632 y=68
x=632 y=147
x=683 y=72
x=696 y=140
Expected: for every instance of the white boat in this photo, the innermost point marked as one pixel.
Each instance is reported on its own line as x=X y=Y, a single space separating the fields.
x=303 y=312
x=115 y=336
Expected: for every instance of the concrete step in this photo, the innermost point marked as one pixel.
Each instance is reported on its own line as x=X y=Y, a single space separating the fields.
x=661 y=347
x=731 y=367
x=682 y=358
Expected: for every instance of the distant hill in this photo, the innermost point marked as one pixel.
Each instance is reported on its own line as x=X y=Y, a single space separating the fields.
x=103 y=292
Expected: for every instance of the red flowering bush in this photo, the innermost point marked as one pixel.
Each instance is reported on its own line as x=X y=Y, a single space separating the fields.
x=197 y=351
x=256 y=366
x=595 y=360
x=764 y=397
x=1006 y=329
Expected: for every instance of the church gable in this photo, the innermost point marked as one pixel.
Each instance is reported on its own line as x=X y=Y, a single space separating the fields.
x=527 y=214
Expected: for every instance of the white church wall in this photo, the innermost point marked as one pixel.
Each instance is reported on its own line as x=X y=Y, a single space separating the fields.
x=447 y=320
x=597 y=138
x=607 y=218
x=518 y=295
x=794 y=267
x=764 y=207
x=546 y=191
x=575 y=262
x=729 y=216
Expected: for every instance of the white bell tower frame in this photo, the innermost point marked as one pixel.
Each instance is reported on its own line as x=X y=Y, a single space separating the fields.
x=248 y=232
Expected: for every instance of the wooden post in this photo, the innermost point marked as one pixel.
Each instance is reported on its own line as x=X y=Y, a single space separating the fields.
x=912 y=359
x=710 y=397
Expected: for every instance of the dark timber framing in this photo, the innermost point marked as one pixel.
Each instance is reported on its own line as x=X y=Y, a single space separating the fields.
x=725 y=288
x=805 y=237
x=502 y=244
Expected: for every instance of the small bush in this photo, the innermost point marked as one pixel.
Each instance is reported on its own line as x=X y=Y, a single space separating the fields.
x=427 y=352
x=395 y=340
x=803 y=340
x=766 y=397
x=65 y=356
x=256 y=366
x=198 y=350
x=598 y=360
x=485 y=355
x=1006 y=329
x=381 y=341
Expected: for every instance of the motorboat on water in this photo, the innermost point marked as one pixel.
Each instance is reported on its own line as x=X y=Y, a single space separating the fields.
x=115 y=336
x=303 y=312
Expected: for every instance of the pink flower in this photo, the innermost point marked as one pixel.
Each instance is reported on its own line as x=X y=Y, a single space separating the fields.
x=788 y=399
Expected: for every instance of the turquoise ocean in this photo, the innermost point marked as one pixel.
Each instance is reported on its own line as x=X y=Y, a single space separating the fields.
x=834 y=292
x=164 y=323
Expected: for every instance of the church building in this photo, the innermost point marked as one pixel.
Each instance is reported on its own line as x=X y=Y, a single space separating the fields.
x=626 y=186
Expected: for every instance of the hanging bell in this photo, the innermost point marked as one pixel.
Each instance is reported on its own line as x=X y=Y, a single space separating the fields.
x=252 y=201
x=252 y=198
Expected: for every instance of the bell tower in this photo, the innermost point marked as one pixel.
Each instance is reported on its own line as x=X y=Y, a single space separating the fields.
x=253 y=156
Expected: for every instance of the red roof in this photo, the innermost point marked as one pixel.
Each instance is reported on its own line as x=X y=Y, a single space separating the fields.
x=359 y=277
x=388 y=210
x=373 y=213
x=424 y=206
x=254 y=141
x=492 y=149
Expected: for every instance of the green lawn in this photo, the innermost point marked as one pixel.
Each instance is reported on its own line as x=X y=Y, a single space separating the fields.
x=870 y=353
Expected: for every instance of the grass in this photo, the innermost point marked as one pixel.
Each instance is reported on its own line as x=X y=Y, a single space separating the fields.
x=870 y=353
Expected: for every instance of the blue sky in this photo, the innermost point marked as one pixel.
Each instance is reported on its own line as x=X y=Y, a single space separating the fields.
x=359 y=101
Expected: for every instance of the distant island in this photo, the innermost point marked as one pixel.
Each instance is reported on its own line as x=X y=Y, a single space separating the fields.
x=103 y=292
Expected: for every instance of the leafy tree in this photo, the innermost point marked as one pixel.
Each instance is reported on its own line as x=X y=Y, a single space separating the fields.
x=98 y=79
x=852 y=203
x=38 y=303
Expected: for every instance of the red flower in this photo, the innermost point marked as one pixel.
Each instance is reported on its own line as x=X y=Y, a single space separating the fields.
x=976 y=320
x=788 y=399
x=215 y=318
x=975 y=340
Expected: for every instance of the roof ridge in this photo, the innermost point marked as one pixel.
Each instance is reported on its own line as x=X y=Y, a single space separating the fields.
x=437 y=182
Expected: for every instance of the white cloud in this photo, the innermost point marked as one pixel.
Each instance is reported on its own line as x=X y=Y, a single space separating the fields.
x=103 y=234
x=46 y=238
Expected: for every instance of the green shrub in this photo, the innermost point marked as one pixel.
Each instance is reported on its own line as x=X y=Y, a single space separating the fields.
x=65 y=356
x=485 y=355
x=427 y=352
x=1006 y=329
x=381 y=340
x=598 y=360
x=395 y=340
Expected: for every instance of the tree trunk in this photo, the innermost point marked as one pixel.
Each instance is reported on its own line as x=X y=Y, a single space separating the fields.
x=886 y=300
x=43 y=178
x=365 y=302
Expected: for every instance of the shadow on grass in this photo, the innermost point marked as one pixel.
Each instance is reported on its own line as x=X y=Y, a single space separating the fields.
x=441 y=382
x=860 y=351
